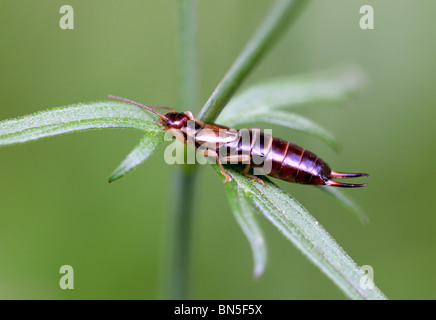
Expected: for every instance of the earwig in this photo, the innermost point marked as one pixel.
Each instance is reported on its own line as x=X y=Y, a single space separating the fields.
x=289 y=162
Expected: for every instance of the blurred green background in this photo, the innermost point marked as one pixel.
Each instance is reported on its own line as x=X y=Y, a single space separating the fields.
x=56 y=207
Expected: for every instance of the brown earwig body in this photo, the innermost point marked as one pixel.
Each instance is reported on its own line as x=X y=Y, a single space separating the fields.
x=289 y=162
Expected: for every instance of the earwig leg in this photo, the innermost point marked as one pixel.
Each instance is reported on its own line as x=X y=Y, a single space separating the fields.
x=211 y=153
x=253 y=177
x=223 y=172
x=247 y=167
x=190 y=115
x=177 y=134
x=240 y=158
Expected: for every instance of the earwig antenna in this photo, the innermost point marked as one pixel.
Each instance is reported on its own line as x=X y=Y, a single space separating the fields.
x=161 y=107
x=142 y=106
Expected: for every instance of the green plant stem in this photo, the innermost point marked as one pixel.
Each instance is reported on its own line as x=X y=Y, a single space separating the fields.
x=178 y=262
x=184 y=177
x=281 y=14
x=187 y=55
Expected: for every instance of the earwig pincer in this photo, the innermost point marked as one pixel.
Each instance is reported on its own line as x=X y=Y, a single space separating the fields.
x=288 y=162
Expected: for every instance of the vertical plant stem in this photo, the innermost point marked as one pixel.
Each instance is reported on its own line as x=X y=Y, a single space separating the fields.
x=281 y=14
x=184 y=177
x=187 y=55
x=178 y=267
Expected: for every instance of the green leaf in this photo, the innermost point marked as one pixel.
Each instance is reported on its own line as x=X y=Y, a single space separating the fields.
x=97 y=115
x=306 y=233
x=329 y=87
x=139 y=154
x=347 y=202
x=240 y=204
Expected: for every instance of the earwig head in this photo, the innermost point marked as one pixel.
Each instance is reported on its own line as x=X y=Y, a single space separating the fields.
x=171 y=120
x=175 y=120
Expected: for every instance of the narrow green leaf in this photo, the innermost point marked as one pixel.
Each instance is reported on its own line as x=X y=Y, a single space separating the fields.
x=96 y=115
x=329 y=87
x=139 y=154
x=296 y=223
x=286 y=119
x=245 y=216
x=347 y=202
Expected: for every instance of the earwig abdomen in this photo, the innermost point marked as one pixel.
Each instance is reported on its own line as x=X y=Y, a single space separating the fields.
x=295 y=164
x=292 y=163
